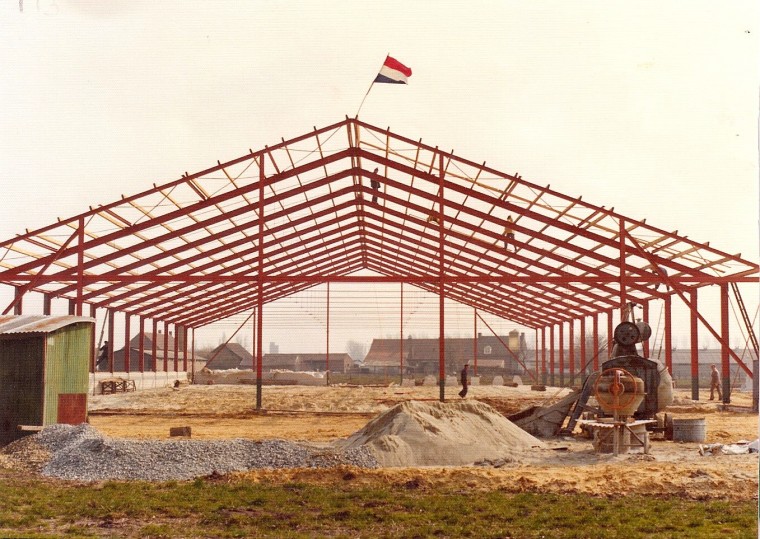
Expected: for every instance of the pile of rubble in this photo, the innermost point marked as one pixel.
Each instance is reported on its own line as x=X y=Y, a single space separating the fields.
x=81 y=453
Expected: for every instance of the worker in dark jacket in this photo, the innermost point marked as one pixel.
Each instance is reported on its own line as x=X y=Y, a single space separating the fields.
x=463 y=393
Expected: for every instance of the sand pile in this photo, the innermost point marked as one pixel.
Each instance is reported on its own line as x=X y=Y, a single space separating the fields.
x=416 y=433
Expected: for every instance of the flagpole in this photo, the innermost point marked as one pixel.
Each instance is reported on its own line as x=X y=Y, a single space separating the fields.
x=370 y=87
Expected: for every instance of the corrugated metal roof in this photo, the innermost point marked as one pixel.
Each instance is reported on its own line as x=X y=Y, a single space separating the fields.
x=38 y=323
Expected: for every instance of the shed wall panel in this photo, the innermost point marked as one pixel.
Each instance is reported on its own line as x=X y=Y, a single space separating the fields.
x=67 y=370
x=21 y=384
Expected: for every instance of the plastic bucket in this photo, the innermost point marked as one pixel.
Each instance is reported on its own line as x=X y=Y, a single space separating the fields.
x=689 y=430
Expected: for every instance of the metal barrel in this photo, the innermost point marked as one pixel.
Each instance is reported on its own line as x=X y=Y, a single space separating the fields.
x=689 y=430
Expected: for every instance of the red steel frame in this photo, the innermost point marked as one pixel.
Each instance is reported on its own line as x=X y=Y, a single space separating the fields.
x=266 y=225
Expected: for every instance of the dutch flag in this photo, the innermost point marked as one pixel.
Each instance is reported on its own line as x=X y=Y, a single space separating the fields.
x=393 y=72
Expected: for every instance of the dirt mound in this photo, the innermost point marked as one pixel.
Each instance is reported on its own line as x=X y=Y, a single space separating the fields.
x=416 y=433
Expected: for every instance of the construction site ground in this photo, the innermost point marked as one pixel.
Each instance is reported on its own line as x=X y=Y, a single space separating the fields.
x=325 y=413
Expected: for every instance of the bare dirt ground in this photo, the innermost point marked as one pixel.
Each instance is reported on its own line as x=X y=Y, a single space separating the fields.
x=322 y=414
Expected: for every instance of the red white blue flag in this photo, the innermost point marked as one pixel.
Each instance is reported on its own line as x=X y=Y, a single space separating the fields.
x=393 y=72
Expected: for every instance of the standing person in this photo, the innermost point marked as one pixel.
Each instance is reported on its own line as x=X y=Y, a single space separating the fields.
x=509 y=233
x=715 y=383
x=375 y=185
x=102 y=357
x=463 y=393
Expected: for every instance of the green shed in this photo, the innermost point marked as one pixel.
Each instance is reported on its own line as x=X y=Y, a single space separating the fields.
x=44 y=372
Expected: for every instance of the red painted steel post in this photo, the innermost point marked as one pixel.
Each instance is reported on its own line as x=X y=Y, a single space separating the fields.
x=127 y=348
x=543 y=355
x=562 y=354
x=47 y=300
x=260 y=285
x=610 y=330
x=110 y=340
x=623 y=294
x=192 y=355
x=176 y=348
x=724 y=344
x=80 y=265
x=93 y=312
x=645 y=344
x=141 y=346
x=401 y=336
x=441 y=337
x=595 y=322
x=583 y=347
x=668 y=335
x=327 y=344
x=166 y=347
x=551 y=355
x=18 y=308
x=475 y=340
x=254 y=332
x=154 y=345
x=694 y=346
x=535 y=351
x=571 y=350
x=184 y=348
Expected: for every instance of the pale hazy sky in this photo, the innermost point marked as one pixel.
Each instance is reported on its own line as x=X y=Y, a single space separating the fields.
x=649 y=106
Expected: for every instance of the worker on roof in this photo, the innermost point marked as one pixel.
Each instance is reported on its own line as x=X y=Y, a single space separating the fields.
x=432 y=218
x=375 y=184
x=509 y=233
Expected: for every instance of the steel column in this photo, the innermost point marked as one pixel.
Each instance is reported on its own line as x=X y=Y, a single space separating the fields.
x=551 y=355
x=475 y=340
x=595 y=322
x=166 y=346
x=184 y=348
x=141 y=346
x=645 y=344
x=327 y=343
x=260 y=286
x=694 y=346
x=571 y=351
x=668 y=334
x=543 y=356
x=127 y=348
x=441 y=320
x=401 y=335
x=623 y=295
x=562 y=354
x=582 y=371
x=110 y=339
x=154 y=345
x=724 y=345
x=80 y=266
x=610 y=332
x=176 y=348
x=47 y=300
x=18 y=300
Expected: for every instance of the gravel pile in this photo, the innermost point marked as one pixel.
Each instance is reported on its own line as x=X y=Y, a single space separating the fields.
x=81 y=453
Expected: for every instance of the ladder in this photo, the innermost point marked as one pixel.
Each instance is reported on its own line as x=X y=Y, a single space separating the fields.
x=745 y=318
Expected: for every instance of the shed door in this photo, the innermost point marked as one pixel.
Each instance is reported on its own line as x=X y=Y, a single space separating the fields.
x=72 y=408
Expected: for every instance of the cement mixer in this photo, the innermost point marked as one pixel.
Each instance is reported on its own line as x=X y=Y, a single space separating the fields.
x=658 y=384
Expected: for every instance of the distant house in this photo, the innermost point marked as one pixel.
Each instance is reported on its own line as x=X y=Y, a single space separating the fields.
x=230 y=356
x=149 y=363
x=308 y=362
x=421 y=356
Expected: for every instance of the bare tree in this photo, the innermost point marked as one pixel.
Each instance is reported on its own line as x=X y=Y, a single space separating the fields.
x=356 y=350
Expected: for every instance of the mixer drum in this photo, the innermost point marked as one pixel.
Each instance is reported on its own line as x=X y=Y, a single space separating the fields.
x=627 y=400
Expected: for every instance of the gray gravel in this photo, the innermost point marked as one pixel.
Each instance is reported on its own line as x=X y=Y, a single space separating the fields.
x=81 y=453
